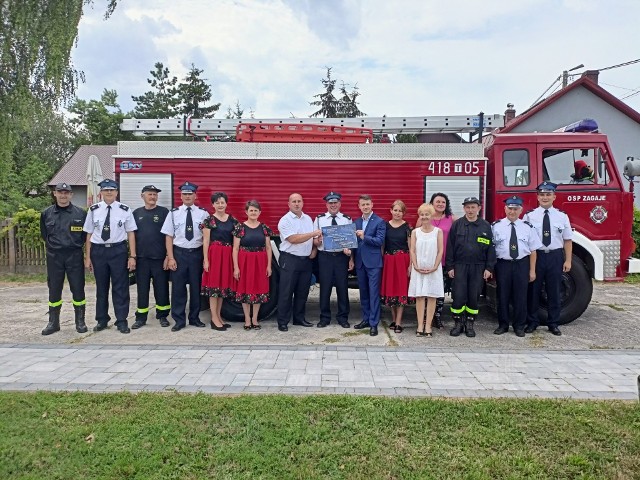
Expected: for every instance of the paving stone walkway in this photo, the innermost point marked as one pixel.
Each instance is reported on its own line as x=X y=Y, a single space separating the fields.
x=592 y=374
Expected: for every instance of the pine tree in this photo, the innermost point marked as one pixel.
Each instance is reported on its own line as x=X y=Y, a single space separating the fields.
x=194 y=93
x=161 y=102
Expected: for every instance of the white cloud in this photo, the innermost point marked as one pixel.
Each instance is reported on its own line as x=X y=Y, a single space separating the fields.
x=422 y=57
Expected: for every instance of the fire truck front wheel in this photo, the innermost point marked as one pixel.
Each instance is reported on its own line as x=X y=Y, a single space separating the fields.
x=232 y=311
x=575 y=294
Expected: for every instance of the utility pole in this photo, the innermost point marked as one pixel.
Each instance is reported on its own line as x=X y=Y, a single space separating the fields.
x=565 y=75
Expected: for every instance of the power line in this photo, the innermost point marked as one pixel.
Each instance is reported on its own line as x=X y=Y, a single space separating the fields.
x=631 y=62
x=618 y=86
x=631 y=94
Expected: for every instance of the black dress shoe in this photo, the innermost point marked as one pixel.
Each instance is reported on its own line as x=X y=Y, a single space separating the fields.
x=519 y=333
x=164 y=322
x=555 y=330
x=361 y=325
x=99 y=327
x=373 y=331
x=529 y=329
x=198 y=324
x=322 y=324
x=283 y=328
x=177 y=328
x=500 y=330
x=138 y=323
x=303 y=323
x=345 y=325
x=124 y=329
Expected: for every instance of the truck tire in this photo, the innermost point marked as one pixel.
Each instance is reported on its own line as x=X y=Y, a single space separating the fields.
x=232 y=310
x=575 y=293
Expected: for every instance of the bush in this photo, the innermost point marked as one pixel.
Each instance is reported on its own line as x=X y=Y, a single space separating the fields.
x=27 y=224
x=635 y=231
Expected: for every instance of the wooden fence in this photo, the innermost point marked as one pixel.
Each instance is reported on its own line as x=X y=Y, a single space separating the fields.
x=16 y=257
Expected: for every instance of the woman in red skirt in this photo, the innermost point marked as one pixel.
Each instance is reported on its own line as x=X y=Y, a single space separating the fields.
x=217 y=241
x=252 y=264
x=396 y=265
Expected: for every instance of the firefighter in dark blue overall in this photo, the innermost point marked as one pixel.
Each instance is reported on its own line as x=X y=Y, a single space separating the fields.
x=61 y=229
x=151 y=262
x=110 y=225
x=516 y=243
x=554 y=257
x=471 y=258
x=333 y=266
x=183 y=238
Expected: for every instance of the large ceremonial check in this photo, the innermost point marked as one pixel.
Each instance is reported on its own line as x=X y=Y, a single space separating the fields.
x=337 y=237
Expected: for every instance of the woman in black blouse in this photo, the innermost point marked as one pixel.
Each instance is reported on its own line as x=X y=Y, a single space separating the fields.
x=217 y=240
x=396 y=265
x=252 y=264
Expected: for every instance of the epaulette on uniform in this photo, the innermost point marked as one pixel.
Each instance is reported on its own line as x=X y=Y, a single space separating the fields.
x=496 y=222
x=124 y=207
x=346 y=216
x=528 y=223
x=175 y=209
x=203 y=209
x=94 y=206
x=321 y=215
x=530 y=211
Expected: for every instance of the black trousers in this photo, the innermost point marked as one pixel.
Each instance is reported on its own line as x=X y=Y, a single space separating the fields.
x=333 y=271
x=189 y=272
x=147 y=270
x=110 y=269
x=512 y=280
x=69 y=262
x=295 y=280
x=467 y=287
x=549 y=273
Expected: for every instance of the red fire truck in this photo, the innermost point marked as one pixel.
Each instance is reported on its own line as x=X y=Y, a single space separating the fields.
x=276 y=157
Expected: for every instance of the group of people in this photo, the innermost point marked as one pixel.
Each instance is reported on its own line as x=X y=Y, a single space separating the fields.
x=221 y=257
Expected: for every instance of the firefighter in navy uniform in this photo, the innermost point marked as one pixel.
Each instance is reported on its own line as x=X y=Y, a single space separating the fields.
x=516 y=243
x=151 y=262
x=183 y=238
x=471 y=258
x=110 y=225
x=554 y=257
x=333 y=266
x=61 y=229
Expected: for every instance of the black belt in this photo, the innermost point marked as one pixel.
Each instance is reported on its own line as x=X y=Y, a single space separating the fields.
x=512 y=260
x=187 y=250
x=548 y=250
x=294 y=256
x=334 y=254
x=108 y=245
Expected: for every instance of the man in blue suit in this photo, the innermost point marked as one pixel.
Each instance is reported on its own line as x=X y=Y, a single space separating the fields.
x=370 y=230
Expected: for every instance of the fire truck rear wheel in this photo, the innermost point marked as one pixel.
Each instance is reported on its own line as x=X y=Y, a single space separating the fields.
x=575 y=295
x=232 y=311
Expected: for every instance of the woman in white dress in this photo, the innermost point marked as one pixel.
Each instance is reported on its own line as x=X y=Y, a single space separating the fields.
x=426 y=283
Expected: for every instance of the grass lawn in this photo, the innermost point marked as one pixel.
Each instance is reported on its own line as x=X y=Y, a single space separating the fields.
x=166 y=436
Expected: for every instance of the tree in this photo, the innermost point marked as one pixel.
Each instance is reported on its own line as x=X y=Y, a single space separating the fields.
x=97 y=122
x=346 y=106
x=36 y=74
x=161 y=102
x=326 y=101
x=194 y=93
x=238 y=111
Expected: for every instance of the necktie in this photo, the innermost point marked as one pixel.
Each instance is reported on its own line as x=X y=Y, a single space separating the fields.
x=546 y=229
x=106 y=228
x=188 y=234
x=333 y=220
x=513 y=242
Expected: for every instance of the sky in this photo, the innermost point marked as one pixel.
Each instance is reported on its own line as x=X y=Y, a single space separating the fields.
x=407 y=57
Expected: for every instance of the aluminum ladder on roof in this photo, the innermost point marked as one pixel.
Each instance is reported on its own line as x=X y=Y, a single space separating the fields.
x=209 y=127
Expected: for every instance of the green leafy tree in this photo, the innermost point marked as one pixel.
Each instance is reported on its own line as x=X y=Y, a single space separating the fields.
x=36 y=76
x=330 y=106
x=97 y=122
x=161 y=102
x=194 y=93
x=237 y=111
x=327 y=103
